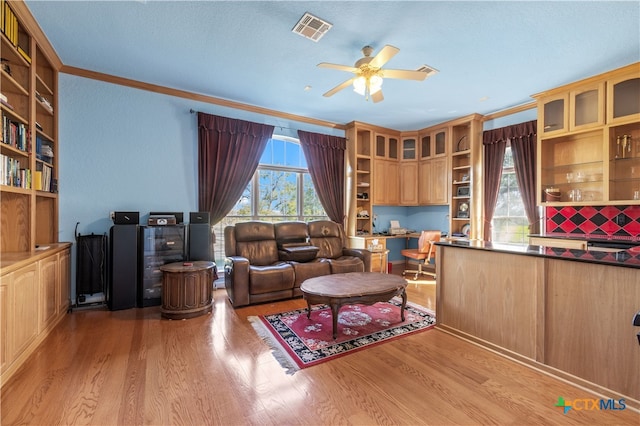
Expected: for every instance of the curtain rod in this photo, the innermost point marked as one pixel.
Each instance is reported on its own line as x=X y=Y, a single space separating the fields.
x=193 y=111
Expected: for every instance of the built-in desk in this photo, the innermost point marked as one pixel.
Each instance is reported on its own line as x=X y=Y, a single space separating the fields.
x=365 y=241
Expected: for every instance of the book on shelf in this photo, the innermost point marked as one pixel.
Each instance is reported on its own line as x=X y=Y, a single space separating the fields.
x=44 y=102
x=37 y=180
x=11 y=174
x=44 y=149
x=24 y=54
x=7 y=104
x=43 y=177
x=15 y=134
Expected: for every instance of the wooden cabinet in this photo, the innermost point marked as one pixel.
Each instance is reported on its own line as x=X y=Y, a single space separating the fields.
x=29 y=147
x=623 y=95
x=433 y=143
x=47 y=300
x=590 y=159
x=433 y=182
x=385 y=190
x=386 y=146
x=586 y=106
x=580 y=108
x=408 y=183
x=63 y=291
x=432 y=166
x=31 y=292
x=553 y=113
x=20 y=321
x=586 y=339
x=409 y=147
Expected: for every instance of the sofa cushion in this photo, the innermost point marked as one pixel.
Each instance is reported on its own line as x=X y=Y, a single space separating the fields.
x=346 y=264
x=308 y=270
x=257 y=242
x=327 y=237
x=291 y=233
x=267 y=279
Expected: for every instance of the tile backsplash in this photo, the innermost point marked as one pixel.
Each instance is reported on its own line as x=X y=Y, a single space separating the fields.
x=604 y=222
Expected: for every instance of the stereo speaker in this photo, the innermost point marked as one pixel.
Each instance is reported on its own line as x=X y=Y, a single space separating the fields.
x=126 y=218
x=199 y=240
x=199 y=217
x=123 y=271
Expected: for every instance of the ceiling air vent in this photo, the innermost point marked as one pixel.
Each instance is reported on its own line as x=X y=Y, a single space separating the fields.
x=311 y=27
x=429 y=70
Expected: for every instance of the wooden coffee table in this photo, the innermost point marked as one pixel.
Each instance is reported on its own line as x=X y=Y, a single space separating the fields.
x=352 y=288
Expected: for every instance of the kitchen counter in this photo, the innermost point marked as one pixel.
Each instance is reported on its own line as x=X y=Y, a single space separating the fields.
x=567 y=312
x=625 y=258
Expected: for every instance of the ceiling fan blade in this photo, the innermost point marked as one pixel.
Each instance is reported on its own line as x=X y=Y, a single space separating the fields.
x=377 y=97
x=339 y=87
x=338 y=67
x=383 y=56
x=404 y=74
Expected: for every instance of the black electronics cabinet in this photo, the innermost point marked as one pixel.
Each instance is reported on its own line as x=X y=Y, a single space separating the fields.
x=159 y=245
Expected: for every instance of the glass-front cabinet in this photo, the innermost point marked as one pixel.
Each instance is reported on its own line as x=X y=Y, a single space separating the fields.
x=624 y=162
x=554 y=114
x=409 y=147
x=586 y=107
x=386 y=147
x=623 y=97
x=594 y=157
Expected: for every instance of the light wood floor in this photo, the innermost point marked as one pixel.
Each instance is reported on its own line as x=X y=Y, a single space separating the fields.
x=132 y=367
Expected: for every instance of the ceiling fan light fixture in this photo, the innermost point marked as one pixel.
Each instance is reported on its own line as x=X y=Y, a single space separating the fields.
x=360 y=85
x=366 y=86
x=375 y=84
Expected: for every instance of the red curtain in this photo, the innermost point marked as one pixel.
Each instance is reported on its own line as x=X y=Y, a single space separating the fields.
x=523 y=147
x=325 y=158
x=493 y=159
x=229 y=151
x=522 y=138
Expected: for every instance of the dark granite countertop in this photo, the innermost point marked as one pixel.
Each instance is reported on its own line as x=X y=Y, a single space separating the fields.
x=595 y=239
x=625 y=258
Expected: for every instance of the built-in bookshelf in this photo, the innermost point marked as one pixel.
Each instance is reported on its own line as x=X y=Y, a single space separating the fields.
x=29 y=144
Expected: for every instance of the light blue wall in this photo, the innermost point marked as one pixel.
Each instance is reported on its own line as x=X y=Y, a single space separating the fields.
x=411 y=218
x=124 y=149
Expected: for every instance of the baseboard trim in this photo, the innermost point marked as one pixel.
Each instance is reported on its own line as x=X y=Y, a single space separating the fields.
x=585 y=385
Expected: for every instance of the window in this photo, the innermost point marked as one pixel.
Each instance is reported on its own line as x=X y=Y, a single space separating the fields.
x=510 y=223
x=281 y=189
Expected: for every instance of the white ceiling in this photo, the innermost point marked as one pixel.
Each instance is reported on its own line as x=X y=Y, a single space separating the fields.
x=244 y=51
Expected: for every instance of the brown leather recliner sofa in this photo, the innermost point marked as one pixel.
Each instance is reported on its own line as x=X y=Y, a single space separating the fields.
x=268 y=261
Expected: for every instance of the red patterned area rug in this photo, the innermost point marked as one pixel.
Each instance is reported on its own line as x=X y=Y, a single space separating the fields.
x=298 y=342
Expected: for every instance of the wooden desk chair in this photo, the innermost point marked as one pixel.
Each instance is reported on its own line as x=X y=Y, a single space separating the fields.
x=423 y=254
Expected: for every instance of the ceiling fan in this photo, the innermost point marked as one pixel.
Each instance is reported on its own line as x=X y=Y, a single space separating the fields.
x=369 y=73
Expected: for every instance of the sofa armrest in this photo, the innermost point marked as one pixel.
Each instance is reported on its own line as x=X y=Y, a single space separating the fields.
x=363 y=254
x=236 y=279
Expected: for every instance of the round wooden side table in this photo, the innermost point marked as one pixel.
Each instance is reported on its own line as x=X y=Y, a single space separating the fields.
x=187 y=289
